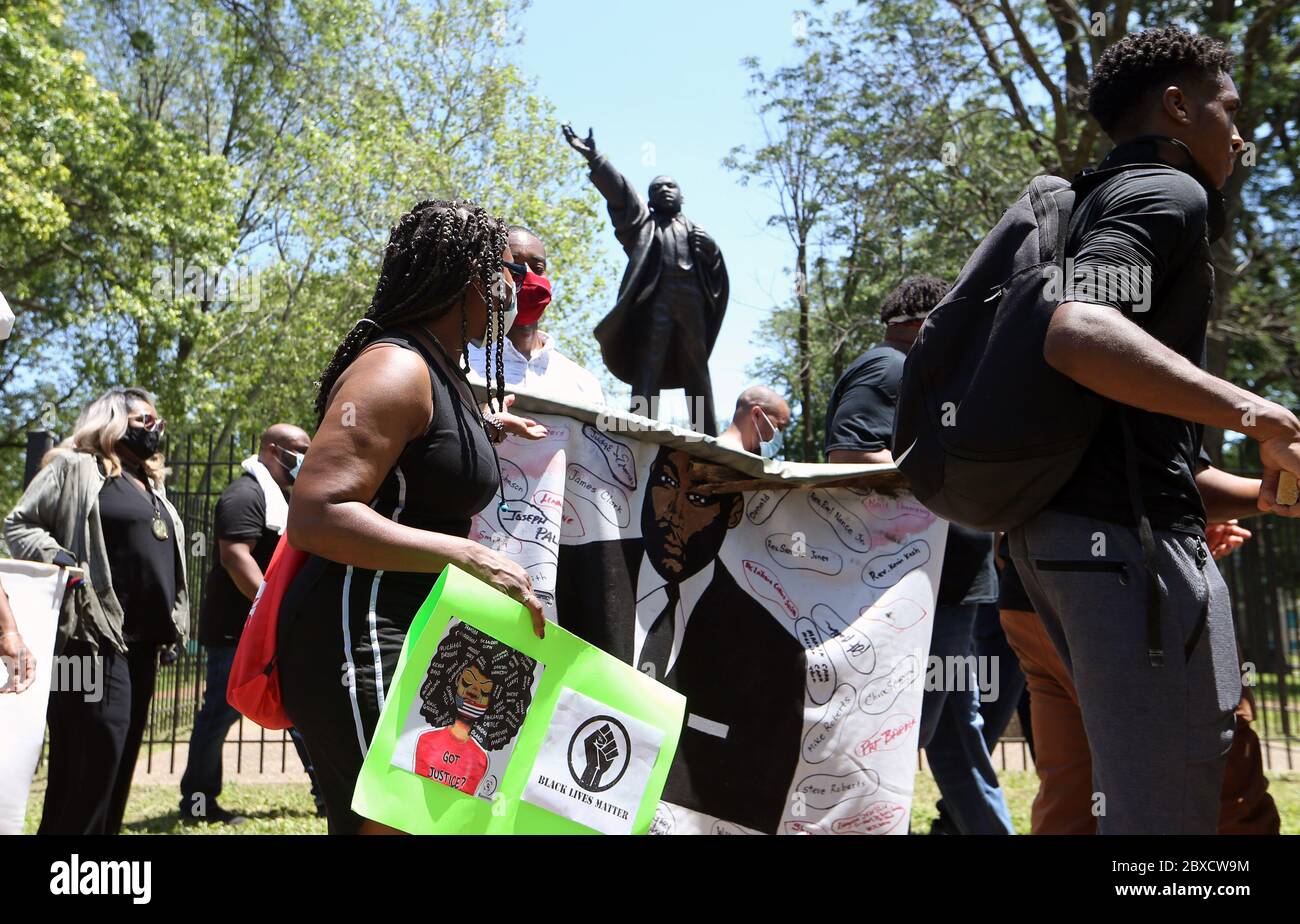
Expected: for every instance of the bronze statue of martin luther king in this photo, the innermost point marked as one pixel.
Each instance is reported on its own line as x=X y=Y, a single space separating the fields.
x=673 y=294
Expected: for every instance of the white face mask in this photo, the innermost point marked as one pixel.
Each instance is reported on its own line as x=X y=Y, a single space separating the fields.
x=6 y=318
x=506 y=320
x=297 y=462
x=770 y=449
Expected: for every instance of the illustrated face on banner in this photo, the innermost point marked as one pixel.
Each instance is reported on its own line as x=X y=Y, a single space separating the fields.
x=474 y=698
x=683 y=529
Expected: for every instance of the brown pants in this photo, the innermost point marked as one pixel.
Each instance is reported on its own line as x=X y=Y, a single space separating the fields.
x=1064 y=764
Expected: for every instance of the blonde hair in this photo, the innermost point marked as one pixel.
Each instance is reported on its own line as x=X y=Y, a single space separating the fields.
x=101 y=424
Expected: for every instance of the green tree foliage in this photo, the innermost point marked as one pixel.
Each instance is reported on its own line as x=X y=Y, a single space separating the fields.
x=288 y=136
x=93 y=197
x=930 y=118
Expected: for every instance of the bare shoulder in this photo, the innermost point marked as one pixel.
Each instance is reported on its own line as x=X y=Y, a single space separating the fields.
x=386 y=385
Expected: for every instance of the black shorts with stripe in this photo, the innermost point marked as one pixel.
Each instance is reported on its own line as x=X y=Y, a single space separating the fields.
x=341 y=633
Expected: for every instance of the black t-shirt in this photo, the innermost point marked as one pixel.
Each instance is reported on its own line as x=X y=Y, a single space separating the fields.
x=241 y=516
x=860 y=417
x=1141 y=245
x=142 y=566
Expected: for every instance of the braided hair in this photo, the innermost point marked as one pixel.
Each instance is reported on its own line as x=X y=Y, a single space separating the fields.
x=434 y=252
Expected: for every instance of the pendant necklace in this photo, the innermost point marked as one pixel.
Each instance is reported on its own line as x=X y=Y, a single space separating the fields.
x=160 y=531
x=159 y=525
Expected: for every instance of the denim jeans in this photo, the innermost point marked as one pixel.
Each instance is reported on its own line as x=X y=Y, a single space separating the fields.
x=991 y=642
x=952 y=729
x=203 y=768
x=214 y=721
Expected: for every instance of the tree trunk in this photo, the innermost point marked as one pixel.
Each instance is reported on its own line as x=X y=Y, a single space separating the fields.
x=805 y=361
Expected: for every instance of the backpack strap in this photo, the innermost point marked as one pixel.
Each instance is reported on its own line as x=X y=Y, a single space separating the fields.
x=1155 y=647
x=1055 y=213
x=1155 y=597
x=1048 y=215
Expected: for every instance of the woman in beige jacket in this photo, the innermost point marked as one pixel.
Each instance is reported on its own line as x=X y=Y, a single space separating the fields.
x=97 y=503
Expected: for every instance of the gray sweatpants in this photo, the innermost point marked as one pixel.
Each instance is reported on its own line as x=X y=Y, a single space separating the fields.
x=1159 y=736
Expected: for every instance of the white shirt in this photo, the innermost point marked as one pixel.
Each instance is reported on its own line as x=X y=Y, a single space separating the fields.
x=6 y=318
x=652 y=597
x=547 y=372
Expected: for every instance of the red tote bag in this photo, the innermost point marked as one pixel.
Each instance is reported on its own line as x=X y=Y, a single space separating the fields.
x=254 y=687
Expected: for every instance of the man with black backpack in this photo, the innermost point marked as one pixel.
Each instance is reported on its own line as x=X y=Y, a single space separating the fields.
x=1069 y=357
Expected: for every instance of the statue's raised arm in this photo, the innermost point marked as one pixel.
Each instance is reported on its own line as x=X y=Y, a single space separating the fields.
x=586 y=148
x=627 y=210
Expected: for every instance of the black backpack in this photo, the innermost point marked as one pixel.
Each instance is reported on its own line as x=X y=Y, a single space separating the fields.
x=986 y=431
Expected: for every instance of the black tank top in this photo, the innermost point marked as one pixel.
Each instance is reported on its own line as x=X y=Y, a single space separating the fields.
x=448 y=474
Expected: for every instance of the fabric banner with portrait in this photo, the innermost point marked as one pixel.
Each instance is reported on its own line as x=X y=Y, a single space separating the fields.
x=791 y=605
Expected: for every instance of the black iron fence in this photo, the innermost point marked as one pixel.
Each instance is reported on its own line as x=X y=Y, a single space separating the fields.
x=198 y=471
x=1264 y=577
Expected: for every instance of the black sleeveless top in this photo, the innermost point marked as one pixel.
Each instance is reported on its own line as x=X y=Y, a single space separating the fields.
x=440 y=480
x=448 y=474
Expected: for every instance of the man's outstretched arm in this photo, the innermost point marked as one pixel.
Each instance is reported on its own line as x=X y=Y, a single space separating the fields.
x=1101 y=349
x=627 y=210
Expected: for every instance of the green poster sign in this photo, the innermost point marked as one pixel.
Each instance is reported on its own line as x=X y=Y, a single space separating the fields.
x=488 y=729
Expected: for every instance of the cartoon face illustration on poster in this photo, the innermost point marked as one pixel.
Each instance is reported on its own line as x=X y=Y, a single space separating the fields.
x=462 y=727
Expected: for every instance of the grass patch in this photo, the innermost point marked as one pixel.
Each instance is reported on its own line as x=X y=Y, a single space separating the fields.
x=1020 y=787
x=271 y=808
x=287 y=808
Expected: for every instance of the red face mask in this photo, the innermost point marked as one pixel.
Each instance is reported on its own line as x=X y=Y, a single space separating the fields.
x=534 y=295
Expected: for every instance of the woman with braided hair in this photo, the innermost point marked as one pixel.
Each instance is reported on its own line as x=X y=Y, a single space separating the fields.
x=402 y=459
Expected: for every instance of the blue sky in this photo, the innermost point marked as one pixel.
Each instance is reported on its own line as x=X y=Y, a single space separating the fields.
x=668 y=74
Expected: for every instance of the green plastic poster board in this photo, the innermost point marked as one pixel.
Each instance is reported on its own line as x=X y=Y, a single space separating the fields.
x=487 y=729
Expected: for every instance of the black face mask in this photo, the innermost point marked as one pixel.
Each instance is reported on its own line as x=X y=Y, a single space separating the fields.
x=141 y=442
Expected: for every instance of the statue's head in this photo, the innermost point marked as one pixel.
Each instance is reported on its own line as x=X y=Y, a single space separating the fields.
x=665 y=196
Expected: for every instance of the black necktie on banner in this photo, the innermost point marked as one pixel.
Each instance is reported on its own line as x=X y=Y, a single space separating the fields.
x=658 y=645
